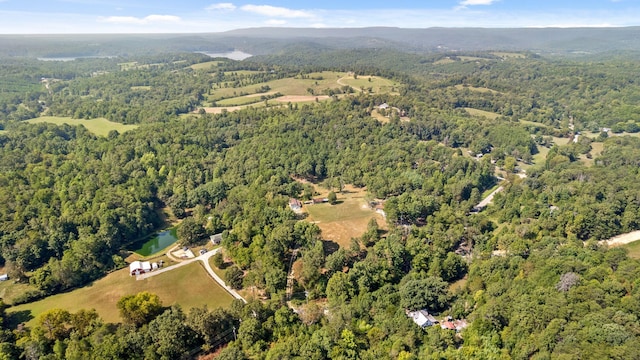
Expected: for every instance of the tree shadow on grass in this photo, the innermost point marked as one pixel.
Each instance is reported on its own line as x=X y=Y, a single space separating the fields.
x=330 y=246
x=13 y=319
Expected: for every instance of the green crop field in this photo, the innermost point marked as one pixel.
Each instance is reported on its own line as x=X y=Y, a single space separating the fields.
x=190 y=286
x=99 y=126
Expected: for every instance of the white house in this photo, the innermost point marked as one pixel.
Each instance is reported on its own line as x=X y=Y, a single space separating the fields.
x=4 y=277
x=139 y=267
x=422 y=318
x=216 y=239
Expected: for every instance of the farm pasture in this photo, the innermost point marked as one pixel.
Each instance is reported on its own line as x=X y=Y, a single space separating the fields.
x=98 y=126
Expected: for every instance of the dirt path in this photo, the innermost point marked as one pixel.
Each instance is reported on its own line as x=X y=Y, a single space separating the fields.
x=170 y=252
x=486 y=201
x=622 y=239
x=205 y=260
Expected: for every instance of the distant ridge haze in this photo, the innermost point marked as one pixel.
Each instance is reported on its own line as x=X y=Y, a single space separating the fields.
x=269 y=40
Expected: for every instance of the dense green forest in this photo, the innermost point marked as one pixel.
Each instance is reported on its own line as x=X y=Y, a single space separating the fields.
x=527 y=273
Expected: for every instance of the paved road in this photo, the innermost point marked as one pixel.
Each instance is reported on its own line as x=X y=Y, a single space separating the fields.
x=205 y=259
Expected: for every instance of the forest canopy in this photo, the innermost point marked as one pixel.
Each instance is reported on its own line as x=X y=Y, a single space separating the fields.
x=553 y=139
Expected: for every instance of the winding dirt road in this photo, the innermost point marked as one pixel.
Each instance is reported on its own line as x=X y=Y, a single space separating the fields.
x=622 y=239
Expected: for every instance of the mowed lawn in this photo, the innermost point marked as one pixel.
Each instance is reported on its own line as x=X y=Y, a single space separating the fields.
x=99 y=126
x=190 y=286
x=345 y=220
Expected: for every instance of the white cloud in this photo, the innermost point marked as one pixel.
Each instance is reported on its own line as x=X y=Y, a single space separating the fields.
x=476 y=2
x=140 y=21
x=275 y=22
x=221 y=6
x=274 y=11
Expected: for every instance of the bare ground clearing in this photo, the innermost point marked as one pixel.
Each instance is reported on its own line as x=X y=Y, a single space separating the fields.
x=623 y=239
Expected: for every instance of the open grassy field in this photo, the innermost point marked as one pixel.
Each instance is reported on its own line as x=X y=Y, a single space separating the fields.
x=376 y=115
x=240 y=100
x=376 y=83
x=478 y=89
x=596 y=150
x=287 y=86
x=634 y=249
x=99 y=126
x=10 y=290
x=507 y=55
x=487 y=114
x=307 y=89
x=347 y=219
x=206 y=65
x=444 y=61
x=190 y=286
x=526 y=122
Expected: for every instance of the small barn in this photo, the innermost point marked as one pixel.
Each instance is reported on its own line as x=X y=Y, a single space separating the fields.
x=139 y=267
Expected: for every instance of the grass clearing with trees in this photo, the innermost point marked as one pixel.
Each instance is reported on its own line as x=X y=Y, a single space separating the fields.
x=488 y=114
x=634 y=249
x=99 y=126
x=189 y=286
x=345 y=220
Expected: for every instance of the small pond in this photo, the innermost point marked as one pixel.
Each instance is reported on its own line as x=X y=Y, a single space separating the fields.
x=156 y=243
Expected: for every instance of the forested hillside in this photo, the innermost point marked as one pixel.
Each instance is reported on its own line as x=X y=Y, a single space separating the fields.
x=555 y=139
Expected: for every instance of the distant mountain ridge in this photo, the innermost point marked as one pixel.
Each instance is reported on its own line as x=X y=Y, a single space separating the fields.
x=471 y=39
x=270 y=40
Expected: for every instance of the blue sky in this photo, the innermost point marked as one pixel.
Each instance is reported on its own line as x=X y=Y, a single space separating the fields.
x=153 y=16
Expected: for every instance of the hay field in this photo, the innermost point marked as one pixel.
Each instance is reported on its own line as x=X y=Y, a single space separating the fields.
x=99 y=126
x=190 y=286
